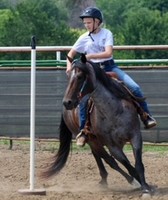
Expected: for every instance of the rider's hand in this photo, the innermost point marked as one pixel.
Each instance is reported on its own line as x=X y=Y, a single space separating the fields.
x=68 y=69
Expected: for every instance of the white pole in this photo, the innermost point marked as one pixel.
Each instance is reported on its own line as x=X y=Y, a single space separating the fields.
x=32 y=123
x=32 y=111
x=58 y=55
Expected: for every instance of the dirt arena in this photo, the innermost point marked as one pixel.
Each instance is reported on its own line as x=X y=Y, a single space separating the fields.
x=78 y=180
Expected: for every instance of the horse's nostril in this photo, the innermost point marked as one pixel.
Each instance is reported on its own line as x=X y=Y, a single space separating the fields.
x=69 y=102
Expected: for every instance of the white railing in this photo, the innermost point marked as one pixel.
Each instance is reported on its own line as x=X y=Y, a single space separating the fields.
x=59 y=49
x=67 y=48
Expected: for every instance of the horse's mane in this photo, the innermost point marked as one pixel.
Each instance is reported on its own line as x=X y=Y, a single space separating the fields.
x=117 y=88
x=114 y=86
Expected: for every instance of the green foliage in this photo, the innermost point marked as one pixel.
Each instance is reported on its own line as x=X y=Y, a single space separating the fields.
x=144 y=30
x=40 y=18
x=115 y=12
x=147 y=28
x=133 y=22
x=4 y=4
x=4 y=17
x=161 y=5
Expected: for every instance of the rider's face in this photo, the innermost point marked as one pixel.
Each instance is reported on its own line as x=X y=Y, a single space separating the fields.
x=90 y=23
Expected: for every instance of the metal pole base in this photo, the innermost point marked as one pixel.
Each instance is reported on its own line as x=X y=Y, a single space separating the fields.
x=32 y=192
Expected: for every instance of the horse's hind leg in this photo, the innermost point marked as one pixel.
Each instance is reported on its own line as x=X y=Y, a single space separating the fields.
x=121 y=157
x=100 y=152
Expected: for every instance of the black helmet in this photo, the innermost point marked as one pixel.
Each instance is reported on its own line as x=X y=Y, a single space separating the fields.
x=92 y=12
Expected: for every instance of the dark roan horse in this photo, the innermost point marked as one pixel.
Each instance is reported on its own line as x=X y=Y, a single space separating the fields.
x=113 y=122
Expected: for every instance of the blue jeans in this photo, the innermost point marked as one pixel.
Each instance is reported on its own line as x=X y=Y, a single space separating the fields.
x=127 y=80
x=83 y=111
x=132 y=85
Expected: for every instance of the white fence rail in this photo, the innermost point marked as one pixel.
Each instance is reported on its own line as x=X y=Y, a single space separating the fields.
x=59 y=49
x=67 y=48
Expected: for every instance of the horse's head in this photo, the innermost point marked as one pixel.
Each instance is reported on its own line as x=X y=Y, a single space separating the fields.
x=81 y=82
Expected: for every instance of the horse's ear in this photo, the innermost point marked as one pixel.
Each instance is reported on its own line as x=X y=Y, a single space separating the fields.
x=83 y=58
x=70 y=59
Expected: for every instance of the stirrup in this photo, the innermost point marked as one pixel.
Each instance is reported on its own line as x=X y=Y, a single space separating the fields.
x=81 y=138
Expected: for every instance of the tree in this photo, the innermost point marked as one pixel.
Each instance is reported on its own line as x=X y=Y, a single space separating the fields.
x=146 y=27
x=161 y=5
x=115 y=12
x=8 y=3
x=137 y=22
x=41 y=18
x=131 y=21
x=74 y=8
x=5 y=16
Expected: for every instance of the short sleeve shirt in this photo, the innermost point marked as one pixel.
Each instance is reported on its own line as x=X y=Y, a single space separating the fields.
x=95 y=43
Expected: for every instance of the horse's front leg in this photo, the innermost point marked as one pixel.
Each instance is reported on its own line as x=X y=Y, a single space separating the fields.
x=102 y=170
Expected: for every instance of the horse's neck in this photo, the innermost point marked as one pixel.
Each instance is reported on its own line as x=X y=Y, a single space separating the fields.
x=104 y=100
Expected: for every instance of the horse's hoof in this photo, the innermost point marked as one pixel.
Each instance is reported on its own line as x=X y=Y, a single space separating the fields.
x=146 y=195
x=81 y=139
x=103 y=184
x=135 y=184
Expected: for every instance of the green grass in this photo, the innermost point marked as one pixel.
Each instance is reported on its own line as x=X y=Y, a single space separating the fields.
x=53 y=146
x=158 y=148
x=146 y=148
x=4 y=142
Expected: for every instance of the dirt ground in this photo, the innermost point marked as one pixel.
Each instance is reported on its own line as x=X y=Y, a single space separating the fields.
x=78 y=180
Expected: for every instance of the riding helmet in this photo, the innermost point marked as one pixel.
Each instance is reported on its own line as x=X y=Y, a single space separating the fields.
x=92 y=12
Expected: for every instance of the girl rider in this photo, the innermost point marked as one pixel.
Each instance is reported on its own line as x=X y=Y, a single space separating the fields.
x=97 y=43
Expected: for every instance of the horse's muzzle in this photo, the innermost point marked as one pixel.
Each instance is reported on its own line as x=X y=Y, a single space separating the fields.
x=69 y=104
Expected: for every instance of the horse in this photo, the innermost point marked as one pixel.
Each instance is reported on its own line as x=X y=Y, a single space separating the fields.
x=113 y=122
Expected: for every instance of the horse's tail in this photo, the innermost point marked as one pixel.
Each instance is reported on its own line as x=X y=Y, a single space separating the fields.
x=59 y=160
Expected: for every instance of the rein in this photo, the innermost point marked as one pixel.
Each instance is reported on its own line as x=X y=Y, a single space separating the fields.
x=85 y=86
x=82 y=88
x=92 y=93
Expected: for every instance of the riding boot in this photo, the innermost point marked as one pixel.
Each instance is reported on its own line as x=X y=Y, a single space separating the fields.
x=81 y=138
x=148 y=120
